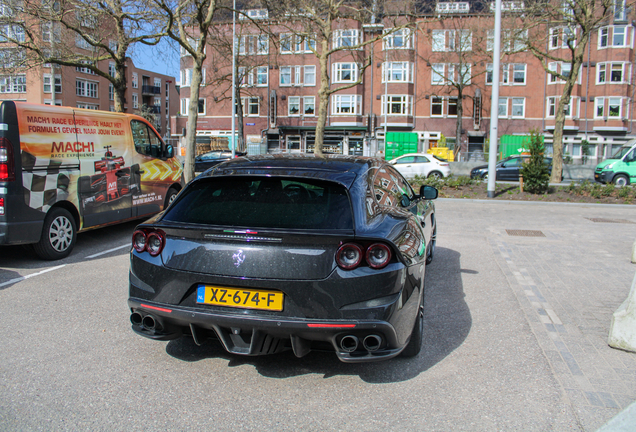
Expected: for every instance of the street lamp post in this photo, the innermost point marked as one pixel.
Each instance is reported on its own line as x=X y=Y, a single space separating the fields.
x=233 y=78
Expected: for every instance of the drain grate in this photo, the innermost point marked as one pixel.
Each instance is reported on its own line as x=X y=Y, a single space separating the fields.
x=525 y=233
x=604 y=220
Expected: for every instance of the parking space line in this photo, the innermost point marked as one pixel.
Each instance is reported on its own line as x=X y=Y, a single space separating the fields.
x=21 y=278
x=107 y=251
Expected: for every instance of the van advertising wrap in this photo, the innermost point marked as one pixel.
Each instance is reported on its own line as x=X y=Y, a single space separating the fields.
x=111 y=166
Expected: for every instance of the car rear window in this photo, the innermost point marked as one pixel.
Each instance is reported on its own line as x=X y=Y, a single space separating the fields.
x=264 y=202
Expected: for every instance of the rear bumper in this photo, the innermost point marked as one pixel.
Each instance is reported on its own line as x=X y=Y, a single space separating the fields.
x=20 y=232
x=258 y=335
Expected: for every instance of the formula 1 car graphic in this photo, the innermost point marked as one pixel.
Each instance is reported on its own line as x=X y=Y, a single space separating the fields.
x=112 y=182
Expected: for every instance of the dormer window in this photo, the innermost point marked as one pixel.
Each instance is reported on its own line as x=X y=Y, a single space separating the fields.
x=452 y=7
x=254 y=14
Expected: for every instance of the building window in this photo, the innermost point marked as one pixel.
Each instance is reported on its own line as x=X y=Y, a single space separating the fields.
x=437 y=105
x=201 y=106
x=518 y=107
x=561 y=37
x=254 y=44
x=599 y=107
x=397 y=72
x=11 y=33
x=135 y=100
x=111 y=92
x=47 y=82
x=519 y=74
x=285 y=75
x=346 y=38
x=619 y=36
x=85 y=88
x=310 y=76
x=398 y=39
x=613 y=72
x=614 y=107
x=87 y=106
x=135 y=80
x=620 y=12
x=13 y=84
x=346 y=104
x=517 y=71
x=437 y=74
x=111 y=69
x=262 y=76
x=452 y=7
x=571 y=110
x=452 y=107
x=344 y=72
x=397 y=104
x=85 y=70
x=603 y=37
x=296 y=44
x=186 y=77
x=250 y=106
x=293 y=106
x=309 y=106
x=82 y=43
x=502 y=110
x=563 y=68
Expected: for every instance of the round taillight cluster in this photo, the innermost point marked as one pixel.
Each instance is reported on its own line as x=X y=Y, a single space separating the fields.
x=151 y=241
x=350 y=255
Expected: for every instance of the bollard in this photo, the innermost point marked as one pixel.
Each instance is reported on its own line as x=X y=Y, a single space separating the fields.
x=634 y=253
x=520 y=183
x=622 y=333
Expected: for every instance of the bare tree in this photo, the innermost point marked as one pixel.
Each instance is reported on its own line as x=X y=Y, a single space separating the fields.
x=188 y=23
x=558 y=31
x=323 y=26
x=81 y=33
x=456 y=45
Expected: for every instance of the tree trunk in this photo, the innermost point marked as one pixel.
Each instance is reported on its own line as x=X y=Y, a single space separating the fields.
x=458 y=124
x=193 y=115
x=240 y=142
x=323 y=99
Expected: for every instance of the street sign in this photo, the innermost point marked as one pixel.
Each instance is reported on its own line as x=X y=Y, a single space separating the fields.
x=250 y=124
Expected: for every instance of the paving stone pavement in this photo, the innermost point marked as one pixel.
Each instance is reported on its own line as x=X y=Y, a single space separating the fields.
x=569 y=267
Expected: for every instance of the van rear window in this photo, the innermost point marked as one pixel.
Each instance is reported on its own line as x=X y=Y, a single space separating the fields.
x=264 y=202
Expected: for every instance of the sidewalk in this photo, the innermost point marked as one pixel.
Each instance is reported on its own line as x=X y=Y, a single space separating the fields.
x=569 y=269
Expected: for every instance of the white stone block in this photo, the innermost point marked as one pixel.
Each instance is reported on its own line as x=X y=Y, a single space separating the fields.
x=634 y=252
x=622 y=333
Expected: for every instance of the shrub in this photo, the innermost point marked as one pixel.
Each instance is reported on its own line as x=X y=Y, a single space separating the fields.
x=536 y=174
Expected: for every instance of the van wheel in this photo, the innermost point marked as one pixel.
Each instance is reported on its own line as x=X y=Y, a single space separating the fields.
x=417 y=336
x=170 y=196
x=58 y=235
x=621 y=180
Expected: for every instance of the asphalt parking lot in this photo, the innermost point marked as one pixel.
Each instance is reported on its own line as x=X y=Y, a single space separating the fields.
x=518 y=308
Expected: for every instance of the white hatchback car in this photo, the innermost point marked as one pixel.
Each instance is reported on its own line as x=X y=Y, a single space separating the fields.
x=421 y=164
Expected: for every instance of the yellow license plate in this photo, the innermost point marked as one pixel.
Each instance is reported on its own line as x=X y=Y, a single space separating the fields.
x=240 y=298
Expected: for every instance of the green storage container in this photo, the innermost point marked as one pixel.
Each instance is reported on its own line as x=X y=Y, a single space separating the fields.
x=400 y=143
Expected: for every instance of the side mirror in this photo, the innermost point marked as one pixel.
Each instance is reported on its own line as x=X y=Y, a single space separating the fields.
x=169 y=151
x=428 y=192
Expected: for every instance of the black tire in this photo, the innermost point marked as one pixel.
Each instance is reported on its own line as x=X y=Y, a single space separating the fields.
x=170 y=196
x=484 y=177
x=430 y=254
x=620 y=180
x=435 y=174
x=58 y=235
x=417 y=335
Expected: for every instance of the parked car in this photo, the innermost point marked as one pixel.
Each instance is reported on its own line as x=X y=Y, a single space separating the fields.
x=421 y=164
x=620 y=169
x=507 y=169
x=209 y=159
x=277 y=252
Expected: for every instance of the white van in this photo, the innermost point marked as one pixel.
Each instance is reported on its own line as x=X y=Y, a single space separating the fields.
x=66 y=170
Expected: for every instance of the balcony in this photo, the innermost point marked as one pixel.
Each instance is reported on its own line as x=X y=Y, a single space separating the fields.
x=152 y=90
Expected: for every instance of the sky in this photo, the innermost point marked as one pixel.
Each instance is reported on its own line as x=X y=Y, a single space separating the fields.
x=163 y=58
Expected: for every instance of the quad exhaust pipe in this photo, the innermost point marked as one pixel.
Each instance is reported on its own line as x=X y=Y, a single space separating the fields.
x=350 y=343
x=372 y=343
x=148 y=322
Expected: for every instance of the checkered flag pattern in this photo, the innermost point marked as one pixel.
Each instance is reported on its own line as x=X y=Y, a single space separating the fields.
x=41 y=181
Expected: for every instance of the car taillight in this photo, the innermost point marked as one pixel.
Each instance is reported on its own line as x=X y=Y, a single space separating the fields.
x=151 y=241
x=1 y=206
x=378 y=255
x=350 y=255
x=7 y=165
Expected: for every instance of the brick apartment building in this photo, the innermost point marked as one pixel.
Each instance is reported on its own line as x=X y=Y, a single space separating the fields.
x=404 y=91
x=79 y=87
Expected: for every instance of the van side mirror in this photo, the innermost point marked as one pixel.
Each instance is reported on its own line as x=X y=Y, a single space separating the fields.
x=428 y=192
x=169 y=153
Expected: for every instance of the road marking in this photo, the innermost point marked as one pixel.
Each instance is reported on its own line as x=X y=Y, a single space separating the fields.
x=21 y=278
x=107 y=251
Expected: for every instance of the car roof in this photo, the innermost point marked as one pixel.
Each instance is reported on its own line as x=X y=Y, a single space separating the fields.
x=341 y=168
